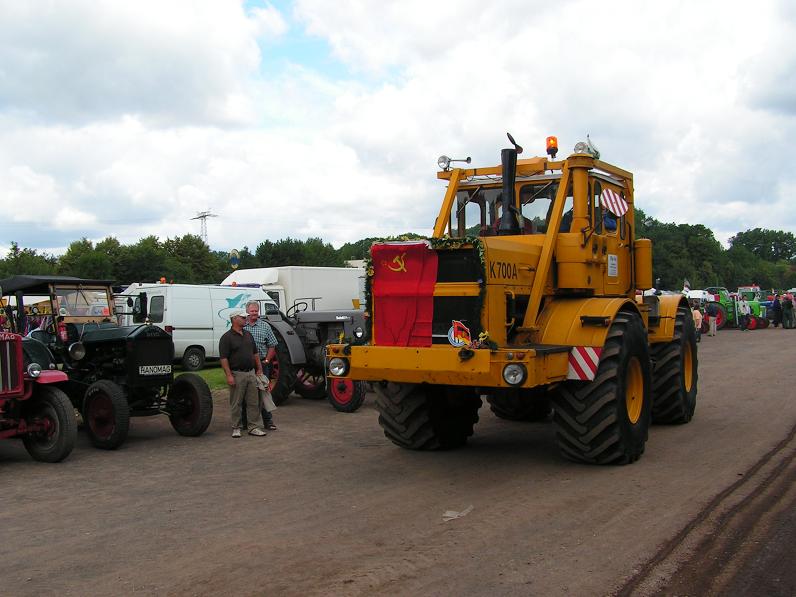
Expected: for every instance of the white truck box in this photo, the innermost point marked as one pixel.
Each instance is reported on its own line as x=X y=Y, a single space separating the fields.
x=322 y=288
x=196 y=316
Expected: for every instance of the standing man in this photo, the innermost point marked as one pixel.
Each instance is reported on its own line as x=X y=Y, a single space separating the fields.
x=776 y=307
x=266 y=342
x=745 y=311
x=697 y=314
x=787 y=312
x=240 y=361
x=711 y=311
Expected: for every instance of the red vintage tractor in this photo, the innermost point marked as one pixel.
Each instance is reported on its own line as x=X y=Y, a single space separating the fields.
x=31 y=406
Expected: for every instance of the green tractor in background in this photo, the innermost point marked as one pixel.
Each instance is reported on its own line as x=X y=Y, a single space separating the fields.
x=727 y=304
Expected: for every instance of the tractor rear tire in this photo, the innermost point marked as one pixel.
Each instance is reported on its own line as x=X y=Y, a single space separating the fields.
x=346 y=395
x=52 y=406
x=721 y=317
x=310 y=386
x=521 y=405
x=606 y=421
x=106 y=414
x=427 y=417
x=190 y=405
x=675 y=373
x=283 y=375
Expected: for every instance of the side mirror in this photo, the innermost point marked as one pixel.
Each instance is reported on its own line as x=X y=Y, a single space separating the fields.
x=130 y=301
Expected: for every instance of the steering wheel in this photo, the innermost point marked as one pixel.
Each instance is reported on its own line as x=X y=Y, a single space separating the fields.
x=297 y=307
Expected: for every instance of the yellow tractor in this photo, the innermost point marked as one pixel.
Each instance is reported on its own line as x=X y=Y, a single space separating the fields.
x=529 y=294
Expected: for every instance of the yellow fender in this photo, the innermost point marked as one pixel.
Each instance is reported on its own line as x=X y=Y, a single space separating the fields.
x=581 y=321
x=667 y=310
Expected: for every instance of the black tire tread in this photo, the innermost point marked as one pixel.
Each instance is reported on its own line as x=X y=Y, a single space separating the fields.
x=121 y=414
x=520 y=405
x=205 y=402
x=284 y=385
x=671 y=403
x=425 y=417
x=587 y=419
x=67 y=425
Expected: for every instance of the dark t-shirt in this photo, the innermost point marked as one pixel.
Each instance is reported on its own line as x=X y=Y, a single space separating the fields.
x=238 y=350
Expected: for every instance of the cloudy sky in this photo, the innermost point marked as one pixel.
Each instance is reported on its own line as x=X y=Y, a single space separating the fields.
x=317 y=118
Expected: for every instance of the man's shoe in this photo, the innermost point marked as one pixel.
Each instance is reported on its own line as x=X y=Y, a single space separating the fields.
x=257 y=431
x=270 y=427
x=236 y=433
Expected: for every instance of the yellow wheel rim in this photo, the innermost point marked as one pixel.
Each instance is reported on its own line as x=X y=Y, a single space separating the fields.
x=688 y=367
x=634 y=390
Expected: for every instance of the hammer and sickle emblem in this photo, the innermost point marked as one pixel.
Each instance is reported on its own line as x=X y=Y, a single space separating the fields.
x=399 y=266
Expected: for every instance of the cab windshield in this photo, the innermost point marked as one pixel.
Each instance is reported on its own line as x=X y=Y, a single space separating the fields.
x=477 y=210
x=82 y=302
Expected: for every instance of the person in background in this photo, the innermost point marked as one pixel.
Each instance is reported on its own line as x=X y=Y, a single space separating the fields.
x=240 y=361
x=266 y=343
x=776 y=307
x=697 y=314
x=743 y=314
x=711 y=312
x=787 y=312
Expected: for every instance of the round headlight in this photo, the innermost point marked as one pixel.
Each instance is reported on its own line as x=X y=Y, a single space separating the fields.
x=34 y=369
x=514 y=374
x=358 y=332
x=77 y=351
x=338 y=366
x=443 y=162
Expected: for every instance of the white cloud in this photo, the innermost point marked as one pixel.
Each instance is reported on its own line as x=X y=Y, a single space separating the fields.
x=134 y=117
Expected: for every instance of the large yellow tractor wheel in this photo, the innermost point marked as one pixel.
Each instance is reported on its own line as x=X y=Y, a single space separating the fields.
x=520 y=405
x=675 y=373
x=606 y=421
x=425 y=416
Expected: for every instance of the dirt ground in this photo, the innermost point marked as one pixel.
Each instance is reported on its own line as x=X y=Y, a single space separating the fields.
x=327 y=505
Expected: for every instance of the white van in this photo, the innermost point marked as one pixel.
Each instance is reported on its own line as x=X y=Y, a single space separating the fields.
x=196 y=316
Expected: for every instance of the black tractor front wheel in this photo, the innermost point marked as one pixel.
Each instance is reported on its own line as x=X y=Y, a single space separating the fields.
x=606 y=421
x=675 y=373
x=190 y=405
x=346 y=395
x=50 y=410
x=425 y=416
x=283 y=375
x=106 y=414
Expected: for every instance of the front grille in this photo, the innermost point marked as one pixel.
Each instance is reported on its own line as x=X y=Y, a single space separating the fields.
x=11 y=381
x=466 y=309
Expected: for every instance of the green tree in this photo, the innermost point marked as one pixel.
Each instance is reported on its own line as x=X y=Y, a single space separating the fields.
x=27 y=261
x=84 y=261
x=769 y=245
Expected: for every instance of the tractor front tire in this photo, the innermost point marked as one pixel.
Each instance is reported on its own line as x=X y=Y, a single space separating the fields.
x=606 y=421
x=283 y=375
x=190 y=405
x=520 y=405
x=675 y=373
x=427 y=417
x=309 y=385
x=346 y=395
x=51 y=407
x=106 y=414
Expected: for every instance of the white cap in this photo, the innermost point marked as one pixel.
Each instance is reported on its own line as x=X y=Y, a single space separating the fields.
x=237 y=313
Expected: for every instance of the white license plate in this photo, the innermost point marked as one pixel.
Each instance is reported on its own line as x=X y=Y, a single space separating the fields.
x=154 y=369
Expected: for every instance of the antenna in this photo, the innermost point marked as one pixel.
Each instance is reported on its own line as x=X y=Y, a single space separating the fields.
x=203 y=215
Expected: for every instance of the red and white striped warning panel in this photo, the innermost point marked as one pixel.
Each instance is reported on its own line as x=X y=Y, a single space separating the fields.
x=583 y=362
x=615 y=203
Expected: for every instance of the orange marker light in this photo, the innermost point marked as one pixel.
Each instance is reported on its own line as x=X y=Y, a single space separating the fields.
x=552 y=146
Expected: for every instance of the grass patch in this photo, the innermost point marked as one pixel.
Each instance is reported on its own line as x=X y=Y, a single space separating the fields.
x=214 y=375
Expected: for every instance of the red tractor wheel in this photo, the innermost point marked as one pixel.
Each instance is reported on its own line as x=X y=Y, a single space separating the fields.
x=753 y=323
x=721 y=316
x=765 y=321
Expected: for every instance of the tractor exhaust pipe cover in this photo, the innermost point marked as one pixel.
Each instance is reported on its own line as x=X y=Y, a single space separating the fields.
x=508 y=219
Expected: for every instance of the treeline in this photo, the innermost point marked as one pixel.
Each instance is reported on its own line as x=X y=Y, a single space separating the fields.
x=680 y=252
